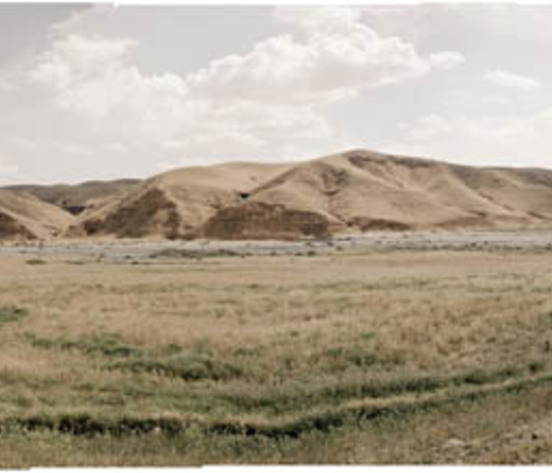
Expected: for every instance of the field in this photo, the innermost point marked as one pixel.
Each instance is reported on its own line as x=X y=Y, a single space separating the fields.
x=339 y=354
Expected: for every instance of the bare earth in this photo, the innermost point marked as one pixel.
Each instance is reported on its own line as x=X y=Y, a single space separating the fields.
x=408 y=348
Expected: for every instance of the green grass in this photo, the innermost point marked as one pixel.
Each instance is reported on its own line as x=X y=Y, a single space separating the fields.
x=104 y=344
x=11 y=314
x=267 y=359
x=187 y=366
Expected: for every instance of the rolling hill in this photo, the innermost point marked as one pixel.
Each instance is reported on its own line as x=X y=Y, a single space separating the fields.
x=80 y=197
x=25 y=217
x=355 y=191
x=175 y=203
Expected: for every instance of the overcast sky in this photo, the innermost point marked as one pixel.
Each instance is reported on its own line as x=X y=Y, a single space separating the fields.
x=97 y=92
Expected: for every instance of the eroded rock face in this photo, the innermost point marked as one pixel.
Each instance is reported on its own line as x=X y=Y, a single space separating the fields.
x=150 y=214
x=379 y=224
x=262 y=221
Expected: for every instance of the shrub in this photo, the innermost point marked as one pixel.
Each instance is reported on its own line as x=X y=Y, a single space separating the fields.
x=35 y=262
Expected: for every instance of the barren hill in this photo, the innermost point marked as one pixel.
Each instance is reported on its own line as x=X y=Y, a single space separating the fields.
x=80 y=197
x=175 y=203
x=353 y=191
x=367 y=190
x=362 y=191
x=23 y=216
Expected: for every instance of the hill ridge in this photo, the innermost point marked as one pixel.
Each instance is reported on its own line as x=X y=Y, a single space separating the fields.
x=357 y=190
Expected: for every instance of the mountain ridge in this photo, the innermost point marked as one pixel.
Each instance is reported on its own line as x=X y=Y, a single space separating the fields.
x=354 y=191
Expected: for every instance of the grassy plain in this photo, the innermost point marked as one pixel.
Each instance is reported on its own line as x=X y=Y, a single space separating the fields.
x=348 y=357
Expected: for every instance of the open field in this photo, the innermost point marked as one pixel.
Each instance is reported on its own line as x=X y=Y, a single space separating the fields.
x=323 y=353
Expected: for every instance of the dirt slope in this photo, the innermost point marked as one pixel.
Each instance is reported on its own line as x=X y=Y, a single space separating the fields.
x=262 y=221
x=353 y=191
x=23 y=216
x=173 y=204
x=369 y=190
x=80 y=197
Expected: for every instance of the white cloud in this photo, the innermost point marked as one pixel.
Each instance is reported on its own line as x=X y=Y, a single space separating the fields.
x=507 y=140
x=511 y=80
x=334 y=57
x=76 y=59
x=91 y=76
x=446 y=59
x=265 y=102
x=101 y=85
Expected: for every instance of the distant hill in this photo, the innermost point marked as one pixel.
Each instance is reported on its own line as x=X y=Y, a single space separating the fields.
x=24 y=217
x=175 y=203
x=80 y=197
x=352 y=191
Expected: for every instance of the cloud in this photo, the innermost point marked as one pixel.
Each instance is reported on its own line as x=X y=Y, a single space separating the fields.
x=512 y=81
x=446 y=59
x=91 y=75
x=264 y=102
x=93 y=78
x=333 y=57
x=480 y=140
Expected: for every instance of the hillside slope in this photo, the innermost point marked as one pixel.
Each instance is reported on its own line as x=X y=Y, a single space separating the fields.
x=353 y=191
x=23 y=216
x=365 y=189
x=174 y=203
x=80 y=197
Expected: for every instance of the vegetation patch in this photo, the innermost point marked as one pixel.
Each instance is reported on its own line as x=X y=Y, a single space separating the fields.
x=305 y=395
x=11 y=314
x=35 y=262
x=316 y=418
x=104 y=344
x=187 y=366
x=345 y=357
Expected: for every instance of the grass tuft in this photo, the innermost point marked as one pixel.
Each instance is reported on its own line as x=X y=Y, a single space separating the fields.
x=11 y=314
x=187 y=366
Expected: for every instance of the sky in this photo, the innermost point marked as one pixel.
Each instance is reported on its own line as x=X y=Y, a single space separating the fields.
x=103 y=92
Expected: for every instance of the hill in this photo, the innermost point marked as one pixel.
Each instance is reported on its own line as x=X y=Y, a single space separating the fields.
x=80 y=197
x=175 y=203
x=353 y=191
x=24 y=217
x=363 y=191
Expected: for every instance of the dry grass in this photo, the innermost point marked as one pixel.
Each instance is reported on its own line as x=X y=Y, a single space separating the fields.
x=265 y=358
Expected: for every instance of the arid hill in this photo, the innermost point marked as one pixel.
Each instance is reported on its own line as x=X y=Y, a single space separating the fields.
x=80 y=197
x=24 y=217
x=366 y=190
x=353 y=191
x=175 y=203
